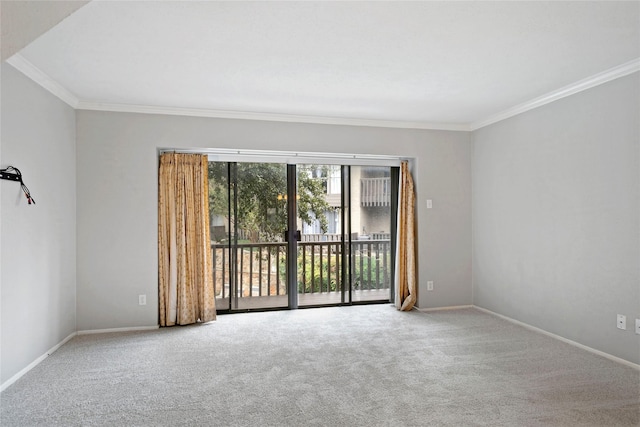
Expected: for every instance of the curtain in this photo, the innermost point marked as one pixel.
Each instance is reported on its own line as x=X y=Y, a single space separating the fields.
x=405 y=295
x=185 y=277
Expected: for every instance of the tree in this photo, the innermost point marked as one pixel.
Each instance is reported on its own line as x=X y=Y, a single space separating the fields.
x=262 y=197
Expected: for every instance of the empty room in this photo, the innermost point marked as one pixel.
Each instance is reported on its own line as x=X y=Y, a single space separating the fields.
x=320 y=213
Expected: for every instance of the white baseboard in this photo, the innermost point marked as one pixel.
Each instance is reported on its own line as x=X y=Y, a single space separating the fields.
x=103 y=331
x=565 y=340
x=453 y=307
x=33 y=364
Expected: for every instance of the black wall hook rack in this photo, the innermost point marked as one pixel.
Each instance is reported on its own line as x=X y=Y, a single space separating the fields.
x=10 y=176
x=13 y=174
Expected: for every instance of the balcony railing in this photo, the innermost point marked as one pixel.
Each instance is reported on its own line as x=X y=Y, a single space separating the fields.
x=261 y=267
x=325 y=237
x=375 y=192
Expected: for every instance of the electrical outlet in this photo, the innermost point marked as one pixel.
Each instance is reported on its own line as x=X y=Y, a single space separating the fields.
x=142 y=300
x=430 y=285
x=429 y=204
x=638 y=326
x=622 y=321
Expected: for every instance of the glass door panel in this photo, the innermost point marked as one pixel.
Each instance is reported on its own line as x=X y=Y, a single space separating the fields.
x=371 y=220
x=260 y=221
x=319 y=254
x=250 y=261
x=220 y=233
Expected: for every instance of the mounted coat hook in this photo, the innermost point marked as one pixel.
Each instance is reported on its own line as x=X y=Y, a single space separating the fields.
x=13 y=174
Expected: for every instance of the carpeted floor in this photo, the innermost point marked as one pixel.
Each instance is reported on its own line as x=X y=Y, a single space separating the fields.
x=341 y=366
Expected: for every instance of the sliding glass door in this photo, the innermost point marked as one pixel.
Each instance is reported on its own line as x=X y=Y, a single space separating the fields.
x=248 y=210
x=372 y=201
x=300 y=235
x=322 y=254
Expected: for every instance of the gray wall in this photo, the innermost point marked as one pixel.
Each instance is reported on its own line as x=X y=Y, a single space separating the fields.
x=38 y=242
x=117 y=200
x=556 y=217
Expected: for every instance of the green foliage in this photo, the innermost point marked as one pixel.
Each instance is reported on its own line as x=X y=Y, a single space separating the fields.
x=261 y=198
x=310 y=205
x=360 y=277
x=309 y=274
x=218 y=192
x=308 y=278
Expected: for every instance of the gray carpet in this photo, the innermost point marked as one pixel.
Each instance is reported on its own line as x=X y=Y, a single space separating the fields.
x=342 y=366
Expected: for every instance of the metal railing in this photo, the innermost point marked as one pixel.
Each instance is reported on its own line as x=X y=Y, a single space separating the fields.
x=326 y=237
x=261 y=267
x=375 y=192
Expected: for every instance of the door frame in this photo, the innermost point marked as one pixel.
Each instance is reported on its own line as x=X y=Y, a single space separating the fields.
x=346 y=288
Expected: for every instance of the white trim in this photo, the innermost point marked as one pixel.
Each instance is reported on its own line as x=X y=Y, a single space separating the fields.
x=452 y=307
x=270 y=117
x=579 y=86
x=33 y=364
x=565 y=340
x=103 y=331
x=38 y=76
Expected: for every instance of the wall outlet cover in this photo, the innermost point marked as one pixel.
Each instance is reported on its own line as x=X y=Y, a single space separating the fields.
x=638 y=326
x=622 y=321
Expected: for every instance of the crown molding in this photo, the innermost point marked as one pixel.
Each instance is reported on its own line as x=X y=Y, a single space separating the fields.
x=38 y=76
x=289 y=118
x=579 y=86
x=34 y=73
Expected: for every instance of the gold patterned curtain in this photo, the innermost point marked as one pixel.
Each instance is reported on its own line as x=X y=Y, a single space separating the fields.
x=405 y=297
x=184 y=253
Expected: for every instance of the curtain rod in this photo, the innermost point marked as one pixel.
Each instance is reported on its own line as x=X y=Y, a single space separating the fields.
x=274 y=153
x=286 y=154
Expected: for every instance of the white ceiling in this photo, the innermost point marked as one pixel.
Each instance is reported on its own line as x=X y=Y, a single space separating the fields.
x=438 y=64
